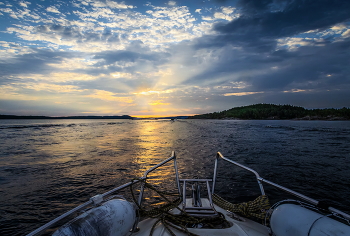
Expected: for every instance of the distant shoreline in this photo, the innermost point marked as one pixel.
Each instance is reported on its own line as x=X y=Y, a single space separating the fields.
x=264 y=111
x=124 y=117
x=14 y=117
x=260 y=111
x=293 y=119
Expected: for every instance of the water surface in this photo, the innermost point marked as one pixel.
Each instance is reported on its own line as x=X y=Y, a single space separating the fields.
x=48 y=167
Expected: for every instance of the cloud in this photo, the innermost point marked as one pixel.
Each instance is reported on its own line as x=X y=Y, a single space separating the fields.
x=240 y=93
x=35 y=62
x=109 y=96
x=100 y=25
x=110 y=57
x=297 y=16
x=307 y=68
x=107 y=3
x=77 y=37
x=207 y=18
x=24 y=4
x=135 y=61
x=172 y=3
x=346 y=34
x=227 y=13
x=192 y=59
x=262 y=47
x=113 y=83
x=310 y=67
x=51 y=88
x=53 y=10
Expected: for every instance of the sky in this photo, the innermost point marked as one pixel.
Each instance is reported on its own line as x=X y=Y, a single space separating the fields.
x=162 y=58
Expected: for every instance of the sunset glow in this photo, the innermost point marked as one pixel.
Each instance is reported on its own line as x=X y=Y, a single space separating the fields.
x=161 y=58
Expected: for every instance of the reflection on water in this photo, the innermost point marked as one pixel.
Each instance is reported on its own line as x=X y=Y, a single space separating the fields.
x=147 y=142
x=50 y=166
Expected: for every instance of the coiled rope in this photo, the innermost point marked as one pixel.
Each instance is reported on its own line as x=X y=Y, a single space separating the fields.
x=252 y=209
x=180 y=221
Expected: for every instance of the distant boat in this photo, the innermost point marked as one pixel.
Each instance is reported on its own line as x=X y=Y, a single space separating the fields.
x=197 y=215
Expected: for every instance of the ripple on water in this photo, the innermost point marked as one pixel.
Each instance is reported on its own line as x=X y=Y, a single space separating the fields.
x=49 y=167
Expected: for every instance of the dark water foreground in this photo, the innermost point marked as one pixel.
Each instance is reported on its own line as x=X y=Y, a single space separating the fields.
x=48 y=167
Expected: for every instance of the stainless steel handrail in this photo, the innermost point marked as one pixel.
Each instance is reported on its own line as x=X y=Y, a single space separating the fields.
x=43 y=228
x=219 y=155
x=261 y=180
x=173 y=157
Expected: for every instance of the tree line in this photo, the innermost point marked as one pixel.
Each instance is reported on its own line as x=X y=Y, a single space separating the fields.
x=272 y=111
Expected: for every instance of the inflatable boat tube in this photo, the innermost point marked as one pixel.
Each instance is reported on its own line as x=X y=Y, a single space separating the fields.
x=294 y=220
x=115 y=217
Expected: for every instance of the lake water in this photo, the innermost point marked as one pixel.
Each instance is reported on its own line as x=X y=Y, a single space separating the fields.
x=48 y=167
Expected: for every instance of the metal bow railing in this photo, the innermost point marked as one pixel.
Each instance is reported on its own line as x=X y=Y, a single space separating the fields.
x=262 y=180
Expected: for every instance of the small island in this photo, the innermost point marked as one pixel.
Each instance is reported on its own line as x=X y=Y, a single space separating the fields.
x=277 y=112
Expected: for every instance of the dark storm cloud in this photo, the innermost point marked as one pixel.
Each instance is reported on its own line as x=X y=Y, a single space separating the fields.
x=263 y=21
x=296 y=17
x=310 y=67
x=249 y=43
x=35 y=62
x=306 y=68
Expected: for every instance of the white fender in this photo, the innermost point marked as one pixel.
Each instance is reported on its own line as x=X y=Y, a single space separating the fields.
x=115 y=217
x=294 y=220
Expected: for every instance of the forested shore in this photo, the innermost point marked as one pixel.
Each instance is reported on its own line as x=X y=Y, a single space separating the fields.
x=272 y=111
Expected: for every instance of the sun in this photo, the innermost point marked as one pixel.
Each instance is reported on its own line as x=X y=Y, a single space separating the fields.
x=153 y=103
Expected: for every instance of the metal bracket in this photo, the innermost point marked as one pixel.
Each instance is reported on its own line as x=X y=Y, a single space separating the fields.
x=97 y=199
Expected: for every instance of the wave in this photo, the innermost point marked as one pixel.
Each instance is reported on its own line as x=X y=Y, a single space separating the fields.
x=279 y=127
x=32 y=126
